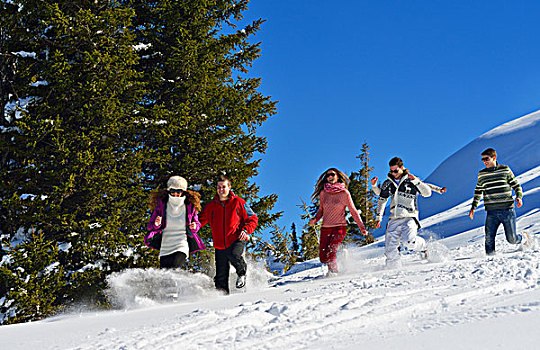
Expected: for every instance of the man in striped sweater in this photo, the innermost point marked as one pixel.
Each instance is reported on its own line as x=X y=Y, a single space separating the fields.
x=495 y=184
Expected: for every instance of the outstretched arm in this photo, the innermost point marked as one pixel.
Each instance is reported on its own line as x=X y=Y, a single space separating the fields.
x=424 y=189
x=355 y=214
x=375 y=187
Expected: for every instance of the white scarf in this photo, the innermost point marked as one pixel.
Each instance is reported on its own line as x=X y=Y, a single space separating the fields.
x=175 y=204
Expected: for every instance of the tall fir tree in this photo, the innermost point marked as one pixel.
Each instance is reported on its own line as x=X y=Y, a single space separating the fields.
x=103 y=100
x=363 y=198
x=294 y=238
x=71 y=145
x=201 y=106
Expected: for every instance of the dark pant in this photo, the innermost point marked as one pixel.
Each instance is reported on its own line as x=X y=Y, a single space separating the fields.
x=172 y=261
x=494 y=218
x=226 y=257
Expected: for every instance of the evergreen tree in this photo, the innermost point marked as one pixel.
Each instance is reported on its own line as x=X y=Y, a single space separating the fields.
x=103 y=101
x=281 y=248
x=309 y=240
x=294 y=237
x=36 y=279
x=363 y=198
x=71 y=144
x=201 y=108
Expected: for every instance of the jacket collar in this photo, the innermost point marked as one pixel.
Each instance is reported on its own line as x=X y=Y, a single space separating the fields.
x=403 y=178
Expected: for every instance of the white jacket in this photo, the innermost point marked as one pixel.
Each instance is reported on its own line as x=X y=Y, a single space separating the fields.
x=404 y=195
x=434 y=188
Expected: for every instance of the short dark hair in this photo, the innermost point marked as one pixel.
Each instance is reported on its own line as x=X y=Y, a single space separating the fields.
x=490 y=152
x=223 y=178
x=396 y=161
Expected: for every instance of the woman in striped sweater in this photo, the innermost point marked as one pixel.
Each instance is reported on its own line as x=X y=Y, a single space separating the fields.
x=331 y=190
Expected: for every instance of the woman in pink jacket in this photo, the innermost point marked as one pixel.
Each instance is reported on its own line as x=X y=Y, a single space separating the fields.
x=331 y=190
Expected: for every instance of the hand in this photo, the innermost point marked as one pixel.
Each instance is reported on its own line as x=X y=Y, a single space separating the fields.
x=377 y=224
x=519 y=202
x=158 y=221
x=243 y=236
x=363 y=230
x=312 y=222
x=411 y=176
x=374 y=181
x=443 y=190
x=471 y=214
x=193 y=226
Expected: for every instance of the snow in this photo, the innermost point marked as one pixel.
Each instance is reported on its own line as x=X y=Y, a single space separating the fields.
x=458 y=299
x=422 y=302
x=514 y=125
x=25 y=54
x=141 y=46
x=65 y=246
x=40 y=83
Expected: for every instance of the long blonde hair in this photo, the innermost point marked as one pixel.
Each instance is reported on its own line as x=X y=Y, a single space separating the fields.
x=319 y=186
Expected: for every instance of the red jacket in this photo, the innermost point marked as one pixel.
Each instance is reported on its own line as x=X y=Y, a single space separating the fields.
x=227 y=219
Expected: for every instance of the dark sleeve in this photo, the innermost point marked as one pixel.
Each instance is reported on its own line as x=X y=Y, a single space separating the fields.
x=386 y=189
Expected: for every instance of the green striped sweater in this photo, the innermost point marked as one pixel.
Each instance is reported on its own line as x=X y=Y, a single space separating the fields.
x=496 y=185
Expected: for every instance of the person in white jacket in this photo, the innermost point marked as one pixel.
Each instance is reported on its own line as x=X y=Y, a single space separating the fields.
x=403 y=224
x=377 y=190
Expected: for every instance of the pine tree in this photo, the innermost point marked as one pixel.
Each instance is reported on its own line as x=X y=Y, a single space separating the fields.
x=104 y=100
x=201 y=108
x=281 y=248
x=309 y=240
x=294 y=238
x=363 y=198
x=73 y=152
x=36 y=280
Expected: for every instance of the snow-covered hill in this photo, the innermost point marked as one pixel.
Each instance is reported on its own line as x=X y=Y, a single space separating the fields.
x=517 y=144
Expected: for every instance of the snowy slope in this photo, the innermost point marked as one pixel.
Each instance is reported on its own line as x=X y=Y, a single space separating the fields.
x=460 y=295
x=517 y=144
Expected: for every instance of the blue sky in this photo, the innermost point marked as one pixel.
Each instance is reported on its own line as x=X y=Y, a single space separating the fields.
x=415 y=79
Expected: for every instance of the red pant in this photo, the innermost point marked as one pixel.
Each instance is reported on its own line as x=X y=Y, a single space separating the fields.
x=331 y=238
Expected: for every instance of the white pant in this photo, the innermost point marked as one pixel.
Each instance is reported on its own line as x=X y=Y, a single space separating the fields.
x=401 y=230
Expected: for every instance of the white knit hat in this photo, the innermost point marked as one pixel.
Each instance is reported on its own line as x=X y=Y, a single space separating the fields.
x=177 y=182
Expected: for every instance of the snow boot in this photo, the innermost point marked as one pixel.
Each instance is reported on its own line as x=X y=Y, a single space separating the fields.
x=241 y=282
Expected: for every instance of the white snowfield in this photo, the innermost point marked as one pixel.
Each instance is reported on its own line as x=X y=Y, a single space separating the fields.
x=458 y=299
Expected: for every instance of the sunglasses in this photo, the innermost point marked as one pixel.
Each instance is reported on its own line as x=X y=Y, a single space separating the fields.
x=174 y=190
x=485 y=159
x=330 y=174
x=394 y=171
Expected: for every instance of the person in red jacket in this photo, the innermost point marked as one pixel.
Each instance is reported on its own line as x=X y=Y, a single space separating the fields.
x=231 y=221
